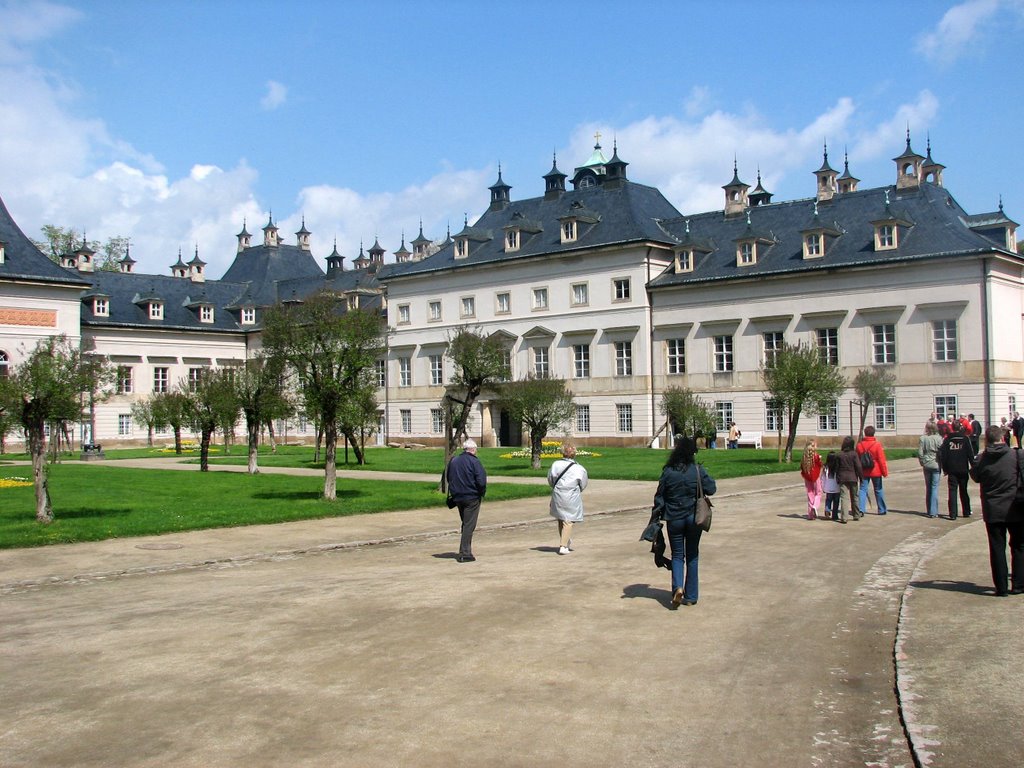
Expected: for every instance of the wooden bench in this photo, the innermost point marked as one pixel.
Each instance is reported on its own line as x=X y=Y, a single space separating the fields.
x=752 y=439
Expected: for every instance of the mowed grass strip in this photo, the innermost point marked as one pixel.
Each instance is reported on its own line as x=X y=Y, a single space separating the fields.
x=94 y=502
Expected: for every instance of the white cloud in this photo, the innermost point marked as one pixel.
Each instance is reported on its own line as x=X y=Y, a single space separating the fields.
x=29 y=22
x=961 y=27
x=276 y=95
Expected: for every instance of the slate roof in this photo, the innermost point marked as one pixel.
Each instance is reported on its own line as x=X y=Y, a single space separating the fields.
x=23 y=261
x=262 y=266
x=129 y=292
x=938 y=227
x=625 y=213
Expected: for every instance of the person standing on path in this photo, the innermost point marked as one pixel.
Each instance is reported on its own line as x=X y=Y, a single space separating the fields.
x=734 y=436
x=975 y=434
x=849 y=475
x=997 y=471
x=467 y=485
x=568 y=481
x=928 y=457
x=1017 y=426
x=873 y=476
x=674 y=502
x=956 y=457
x=810 y=471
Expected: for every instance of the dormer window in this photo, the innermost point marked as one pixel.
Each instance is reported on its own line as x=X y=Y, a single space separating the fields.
x=100 y=307
x=206 y=313
x=886 y=237
x=156 y=310
x=512 y=240
x=814 y=246
x=353 y=302
x=569 y=231
x=3 y=256
x=248 y=315
x=684 y=261
x=746 y=253
x=461 y=247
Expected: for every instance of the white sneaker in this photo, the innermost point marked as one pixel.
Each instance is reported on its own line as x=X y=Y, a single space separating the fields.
x=563 y=550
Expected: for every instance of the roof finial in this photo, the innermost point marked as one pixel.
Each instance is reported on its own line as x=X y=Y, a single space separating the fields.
x=1000 y=202
x=597 y=139
x=886 y=198
x=825 y=144
x=908 y=134
x=748 y=217
x=687 y=226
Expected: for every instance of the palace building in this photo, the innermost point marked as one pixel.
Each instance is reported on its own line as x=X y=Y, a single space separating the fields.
x=601 y=281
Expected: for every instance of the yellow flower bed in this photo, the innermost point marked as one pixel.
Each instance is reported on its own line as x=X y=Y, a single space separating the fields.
x=14 y=482
x=549 y=449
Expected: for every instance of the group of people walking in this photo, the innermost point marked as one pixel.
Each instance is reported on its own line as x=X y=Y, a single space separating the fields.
x=842 y=479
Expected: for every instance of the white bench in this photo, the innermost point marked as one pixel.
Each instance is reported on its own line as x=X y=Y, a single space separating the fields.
x=753 y=439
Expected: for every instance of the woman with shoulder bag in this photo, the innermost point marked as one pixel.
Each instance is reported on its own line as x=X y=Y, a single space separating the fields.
x=567 y=480
x=674 y=503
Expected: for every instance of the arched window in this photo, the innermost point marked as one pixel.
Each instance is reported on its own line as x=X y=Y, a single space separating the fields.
x=5 y=365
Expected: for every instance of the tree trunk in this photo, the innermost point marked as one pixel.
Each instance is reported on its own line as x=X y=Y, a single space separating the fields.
x=253 y=428
x=204 y=449
x=536 y=448
x=177 y=440
x=318 y=440
x=149 y=436
x=330 y=470
x=356 y=448
x=270 y=432
x=37 y=447
x=794 y=419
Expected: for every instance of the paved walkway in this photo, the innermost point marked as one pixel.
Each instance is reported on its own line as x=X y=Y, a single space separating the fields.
x=360 y=641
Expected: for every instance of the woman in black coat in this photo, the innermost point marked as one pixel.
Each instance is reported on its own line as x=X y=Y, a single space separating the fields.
x=996 y=472
x=674 y=502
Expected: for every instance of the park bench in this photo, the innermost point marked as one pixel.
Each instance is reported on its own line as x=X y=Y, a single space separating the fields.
x=751 y=439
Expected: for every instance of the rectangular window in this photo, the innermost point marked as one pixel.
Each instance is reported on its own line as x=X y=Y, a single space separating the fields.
x=468 y=306
x=621 y=289
x=512 y=240
x=624 y=412
x=382 y=374
x=676 y=360
x=406 y=416
x=436 y=370
x=404 y=372
x=885 y=237
x=194 y=375
x=437 y=420
x=156 y=311
x=684 y=261
x=124 y=380
x=434 y=310
x=580 y=294
x=723 y=413
x=206 y=314
x=828 y=418
x=772 y=342
x=403 y=314
x=883 y=344
x=506 y=361
x=723 y=354
x=745 y=254
x=581 y=361
x=503 y=303
x=100 y=307
x=303 y=422
x=161 y=378
x=540 y=298
x=248 y=315
x=124 y=424
x=944 y=340
x=828 y=345
x=623 y=358
x=773 y=416
x=541 y=367
x=885 y=414
x=568 y=231
x=1011 y=401
x=582 y=418
x=946 y=407
x=812 y=245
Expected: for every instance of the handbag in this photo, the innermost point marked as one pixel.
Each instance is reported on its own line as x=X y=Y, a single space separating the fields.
x=702 y=507
x=651 y=531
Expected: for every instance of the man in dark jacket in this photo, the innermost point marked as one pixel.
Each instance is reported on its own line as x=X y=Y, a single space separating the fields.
x=975 y=434
x=956 y=457
x=1017 y=427
x=467 y=485
x=997 y=473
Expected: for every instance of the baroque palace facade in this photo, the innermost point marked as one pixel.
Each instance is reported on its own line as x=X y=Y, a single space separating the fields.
x=601 y=282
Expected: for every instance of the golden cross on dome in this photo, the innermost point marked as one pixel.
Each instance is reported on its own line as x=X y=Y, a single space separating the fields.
x=597 y=138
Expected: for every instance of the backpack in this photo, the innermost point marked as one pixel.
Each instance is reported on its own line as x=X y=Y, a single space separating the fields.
x=867 y=462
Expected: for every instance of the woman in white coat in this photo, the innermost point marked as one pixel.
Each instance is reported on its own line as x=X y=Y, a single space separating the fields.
x=567 y=480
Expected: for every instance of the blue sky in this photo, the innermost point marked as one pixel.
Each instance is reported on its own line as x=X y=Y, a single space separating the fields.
x=171 y=122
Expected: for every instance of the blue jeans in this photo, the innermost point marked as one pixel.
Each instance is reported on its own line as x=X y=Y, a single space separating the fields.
x=879 y=494
x=931 y=491
x=684 y=537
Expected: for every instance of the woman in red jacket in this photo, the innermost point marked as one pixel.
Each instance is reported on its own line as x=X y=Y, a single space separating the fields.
x=810 y=470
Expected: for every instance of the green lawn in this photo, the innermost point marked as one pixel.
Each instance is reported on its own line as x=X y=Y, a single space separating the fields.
x=93 y=502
